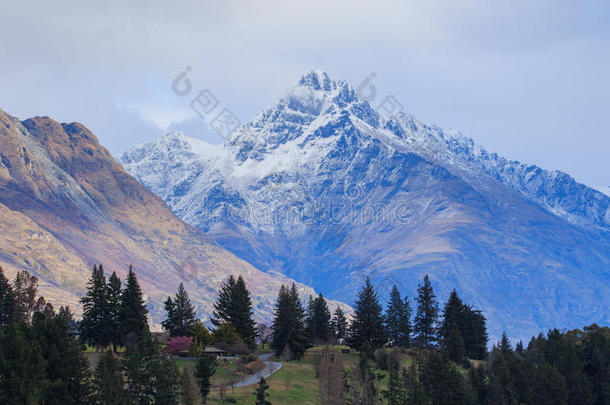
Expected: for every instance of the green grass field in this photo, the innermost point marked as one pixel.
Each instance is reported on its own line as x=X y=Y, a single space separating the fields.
x=294 y=383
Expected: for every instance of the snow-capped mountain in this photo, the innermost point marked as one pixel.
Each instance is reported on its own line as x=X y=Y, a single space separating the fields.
x=324 y=189
x=603 y=189
x=66 y=204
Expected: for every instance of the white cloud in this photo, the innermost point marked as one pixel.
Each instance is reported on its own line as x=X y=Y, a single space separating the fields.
x=512 y=74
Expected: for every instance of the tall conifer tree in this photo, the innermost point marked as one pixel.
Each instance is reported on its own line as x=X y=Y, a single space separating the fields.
x=427 y=315
x=180 y=314
x=234 y=306
x=395 y=318
x=7 y=301
x=339 y=323
x=108 y=381
x=114 y=292
x=133 y=319
x=289 y=329
x=95 y=327
x=367 y=330
x=320 y=321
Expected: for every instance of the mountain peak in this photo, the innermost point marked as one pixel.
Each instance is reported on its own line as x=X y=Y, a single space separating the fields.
x=317 y=80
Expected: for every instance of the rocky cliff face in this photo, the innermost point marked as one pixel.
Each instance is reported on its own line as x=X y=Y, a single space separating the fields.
x=66 y=204
x=323 y=189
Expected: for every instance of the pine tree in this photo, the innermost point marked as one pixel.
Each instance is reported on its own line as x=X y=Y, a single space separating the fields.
x=152 y=378
x=108 y=382
x=405 y=325
x=95 y=326
x=166 y=380
x=309 y=321
x=234 y=306
x=289 y=329
x=395 y=317
x=204 y=370
x=67 y=369
x=133 y=318
x=549 y=387
x=474 y=333
x=339 y=324
x=224 y=306
x=450 y=330
x=22 y=367
x=426 y=317
x=320 y=321
x=114 y=293
x=441 y=380
x=180 y=314
x=7 y=301
x=243 y=319
x=367 y=330
x=261 y=393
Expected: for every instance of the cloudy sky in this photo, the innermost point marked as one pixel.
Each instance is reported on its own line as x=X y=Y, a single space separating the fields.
x=527 y=79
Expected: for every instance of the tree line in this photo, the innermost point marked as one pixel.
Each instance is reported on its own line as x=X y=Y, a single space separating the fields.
x=459 y=330
x=42 y=353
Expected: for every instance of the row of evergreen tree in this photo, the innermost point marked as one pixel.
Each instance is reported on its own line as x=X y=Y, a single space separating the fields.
x=460 y=331
x=42 y=360
x=563 y=368
x=42 y=356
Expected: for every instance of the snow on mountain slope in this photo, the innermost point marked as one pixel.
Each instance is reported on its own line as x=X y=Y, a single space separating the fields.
x=66 y=204
x=323 y=189
x=603 y=189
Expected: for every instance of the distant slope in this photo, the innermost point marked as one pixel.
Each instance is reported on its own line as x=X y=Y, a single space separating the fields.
x=323 y=189
x=66 y=204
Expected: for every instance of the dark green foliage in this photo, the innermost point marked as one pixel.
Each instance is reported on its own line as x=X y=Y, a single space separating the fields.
x=479 y=384
x=109 y=382
x=25 y=289
x=319 y=321
x=22 y=367
x=234 y=306
x=339 y=324
x=152 y=378
x=398 y=320
x=7 y=301
x=188 y=391
x=406 y=328
x=114 y=293
x=180 y=314
x=289 y=329
x=413 y=391
x=204 y=370
x=261 y=393
x=441 y=380
x=227 y=334
x=395 y=393
x=462 y=331
x=367 y=330
x=67 y=371
x=426 y=316
x=65 y=314
x=133 y=317
x=548 y=386
x=594 y=353
x=95 y=328
x=224 y=307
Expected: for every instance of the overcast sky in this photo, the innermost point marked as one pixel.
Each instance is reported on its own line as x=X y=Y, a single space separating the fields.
x=527 y=79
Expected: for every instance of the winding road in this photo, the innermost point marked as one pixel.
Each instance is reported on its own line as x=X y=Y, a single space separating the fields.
x=270 y=368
